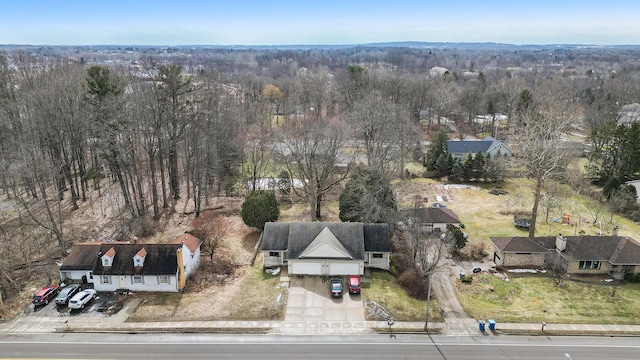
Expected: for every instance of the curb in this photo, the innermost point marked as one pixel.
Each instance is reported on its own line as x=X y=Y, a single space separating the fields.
x=190 y=330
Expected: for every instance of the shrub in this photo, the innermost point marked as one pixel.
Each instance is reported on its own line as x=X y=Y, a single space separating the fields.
x=476 y=250
x=414 y=284
x=260 y=207
x=466 y=279
x=143 y=227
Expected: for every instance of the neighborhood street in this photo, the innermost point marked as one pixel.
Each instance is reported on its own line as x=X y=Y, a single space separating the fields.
x=171 y=346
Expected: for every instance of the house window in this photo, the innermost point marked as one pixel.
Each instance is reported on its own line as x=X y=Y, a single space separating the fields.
x=106 y=279
x=163 y=279
x=274 y=254
x=589 y=265
x=137 y=279
x=105 y=262
x=91 y=275
x=377 y=256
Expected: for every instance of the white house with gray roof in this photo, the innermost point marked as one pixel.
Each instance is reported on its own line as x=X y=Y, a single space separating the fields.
x=326 y=248
x=460 y=149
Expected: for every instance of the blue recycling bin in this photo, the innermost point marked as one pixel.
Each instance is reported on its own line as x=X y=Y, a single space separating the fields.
x=492 y=324
x=481 y=325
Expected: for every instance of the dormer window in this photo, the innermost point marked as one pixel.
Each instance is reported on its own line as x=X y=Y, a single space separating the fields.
x=138 y=259
x=107 y=258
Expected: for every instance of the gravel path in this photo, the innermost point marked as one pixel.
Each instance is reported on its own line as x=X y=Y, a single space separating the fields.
x=457 y=320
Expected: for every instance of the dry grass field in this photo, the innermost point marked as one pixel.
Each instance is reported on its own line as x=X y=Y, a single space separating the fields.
x=537 y=299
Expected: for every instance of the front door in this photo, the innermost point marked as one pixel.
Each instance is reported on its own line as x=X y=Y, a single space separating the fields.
x=121 y=282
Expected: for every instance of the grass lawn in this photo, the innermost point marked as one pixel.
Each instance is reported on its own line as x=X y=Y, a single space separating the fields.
x=537 y=299
x=386 y=291
x=259 y=296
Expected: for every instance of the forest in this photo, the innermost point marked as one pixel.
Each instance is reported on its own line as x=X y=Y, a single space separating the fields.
x=148 y=127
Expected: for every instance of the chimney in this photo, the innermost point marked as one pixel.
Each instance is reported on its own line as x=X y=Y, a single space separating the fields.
x=615 y=230
x=561 y=242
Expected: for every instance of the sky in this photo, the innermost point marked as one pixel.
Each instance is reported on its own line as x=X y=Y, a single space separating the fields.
x=288 y=22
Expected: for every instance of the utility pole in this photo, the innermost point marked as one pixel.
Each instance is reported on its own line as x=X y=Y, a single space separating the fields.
x=426 y=322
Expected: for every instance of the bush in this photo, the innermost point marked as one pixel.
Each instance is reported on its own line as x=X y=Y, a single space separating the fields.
x=260 y=207
x=402 y=258
x=466 y=279
x=415 y=285
x=143 y=227
x=632 y=278
x=476 y=250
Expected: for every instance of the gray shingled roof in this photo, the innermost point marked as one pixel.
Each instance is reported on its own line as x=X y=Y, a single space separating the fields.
x=517 y=244
x=301 y=234
x=275 y=236
x=616 y=249
x=82 y=257
x=431 y=215
x=468 y=146
x=376 y=238
x=295 y=237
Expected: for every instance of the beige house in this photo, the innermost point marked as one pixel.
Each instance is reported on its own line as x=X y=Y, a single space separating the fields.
x=326 y=248
x=614 y=255
x=433 y=218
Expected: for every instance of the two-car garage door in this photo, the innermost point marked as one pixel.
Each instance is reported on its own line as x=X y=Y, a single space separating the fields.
x=325 y=268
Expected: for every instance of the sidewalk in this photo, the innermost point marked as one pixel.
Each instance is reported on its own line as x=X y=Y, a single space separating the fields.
x=37 y=325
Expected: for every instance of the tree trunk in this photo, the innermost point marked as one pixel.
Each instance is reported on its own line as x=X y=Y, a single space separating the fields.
x=534 y=211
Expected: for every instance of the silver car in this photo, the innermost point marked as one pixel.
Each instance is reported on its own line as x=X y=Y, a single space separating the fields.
x=79 y=300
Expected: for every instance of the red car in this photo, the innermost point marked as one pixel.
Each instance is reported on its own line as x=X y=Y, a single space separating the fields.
x=44 y=295
x=354 y=284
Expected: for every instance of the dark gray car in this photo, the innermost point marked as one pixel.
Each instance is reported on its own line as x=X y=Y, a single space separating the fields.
x=336 y=287
x=67 y=293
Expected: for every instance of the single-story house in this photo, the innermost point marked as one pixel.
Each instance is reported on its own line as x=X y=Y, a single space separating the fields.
x=135 y=267
x=326 y=248
x=433 y=218
x=615 y=255
x=460 y=149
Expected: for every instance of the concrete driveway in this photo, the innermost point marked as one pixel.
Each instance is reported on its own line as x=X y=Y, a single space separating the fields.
x=309 y=300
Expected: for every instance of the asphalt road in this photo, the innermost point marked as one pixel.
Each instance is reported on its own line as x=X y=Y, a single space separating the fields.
x=185 y=346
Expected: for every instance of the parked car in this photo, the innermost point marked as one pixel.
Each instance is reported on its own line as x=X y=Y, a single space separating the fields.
x=79 y=300
x=44 y=295
x=67 y=293
x=336 y=287
x=354 y=284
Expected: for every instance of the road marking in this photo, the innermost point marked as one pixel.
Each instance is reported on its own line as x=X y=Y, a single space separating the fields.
x=93 y=343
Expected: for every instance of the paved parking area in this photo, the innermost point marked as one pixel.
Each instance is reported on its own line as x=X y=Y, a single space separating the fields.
x=310 y=300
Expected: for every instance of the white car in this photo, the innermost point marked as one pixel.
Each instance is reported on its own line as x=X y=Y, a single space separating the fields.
x=79 y=300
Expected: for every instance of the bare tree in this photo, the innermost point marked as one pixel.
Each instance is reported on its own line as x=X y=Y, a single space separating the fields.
x=431 y=251
x=552 y=199
x=384 y=128
x=311 y=150
x=540 y=148
x=256 y=143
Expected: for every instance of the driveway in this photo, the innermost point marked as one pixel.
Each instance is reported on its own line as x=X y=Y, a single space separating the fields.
x=309 y=300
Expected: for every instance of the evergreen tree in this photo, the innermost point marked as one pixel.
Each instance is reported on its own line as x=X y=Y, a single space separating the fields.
x=477 y=168
x=467 y=168
x=438 y=147
x=457 y=172
x=260 y=207
x=367 y=197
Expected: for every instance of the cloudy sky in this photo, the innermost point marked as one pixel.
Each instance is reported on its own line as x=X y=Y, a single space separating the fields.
x=191 y=22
